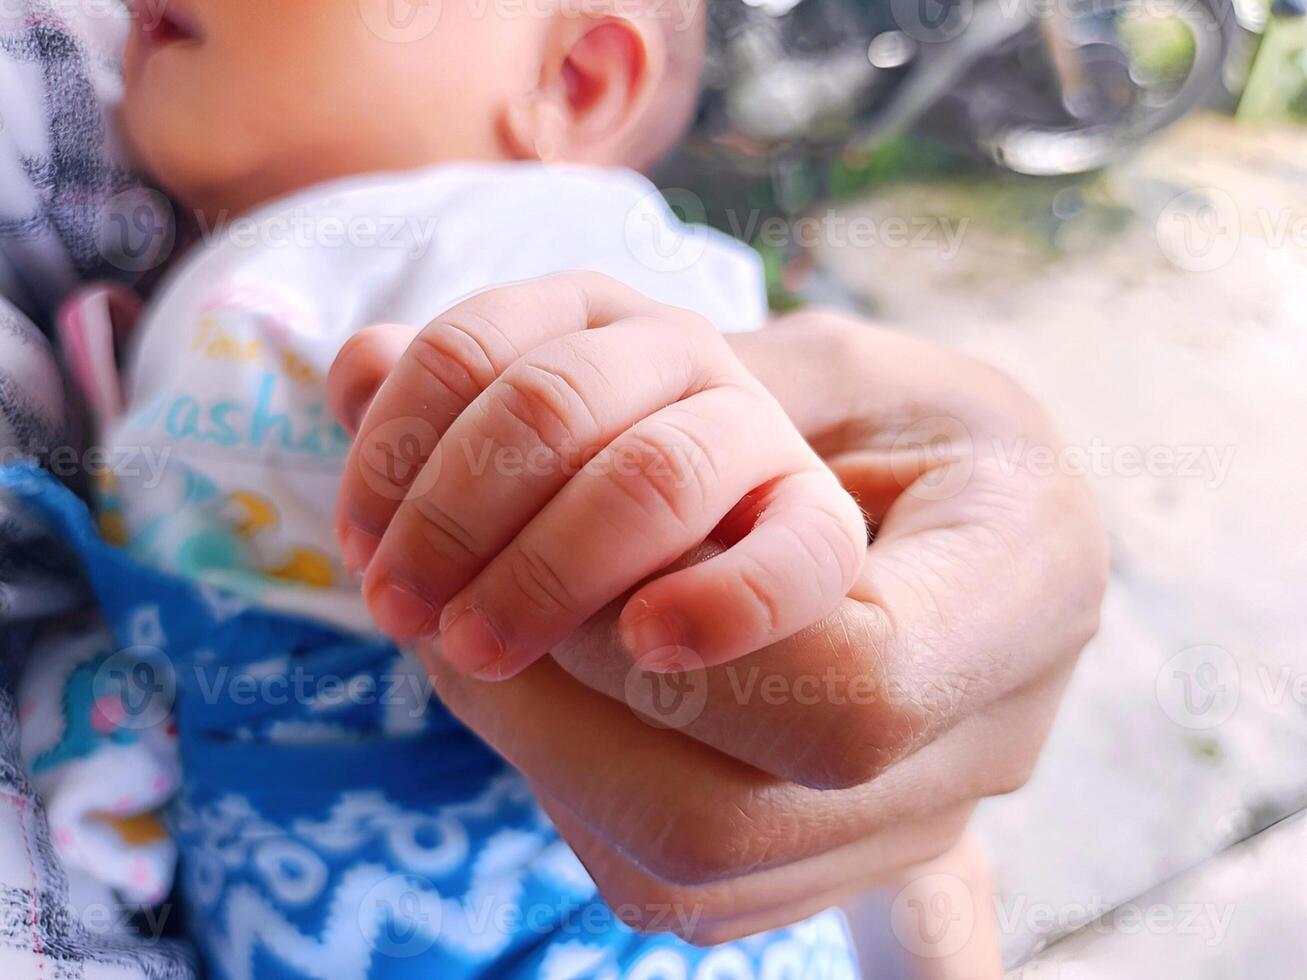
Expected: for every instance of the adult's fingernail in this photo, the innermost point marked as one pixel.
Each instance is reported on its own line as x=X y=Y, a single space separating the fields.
x=402 y=613
x=357 y=548
x=471 y=643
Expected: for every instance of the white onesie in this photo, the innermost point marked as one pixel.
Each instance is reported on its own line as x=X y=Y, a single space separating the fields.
x=238 y=459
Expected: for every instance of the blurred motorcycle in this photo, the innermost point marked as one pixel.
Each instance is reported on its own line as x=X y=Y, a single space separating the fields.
x=1039 y=87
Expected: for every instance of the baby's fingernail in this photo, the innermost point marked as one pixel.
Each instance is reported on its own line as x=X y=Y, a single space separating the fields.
x=654 y=642
x=401 y=612
x=471 y=643
x=357 y=548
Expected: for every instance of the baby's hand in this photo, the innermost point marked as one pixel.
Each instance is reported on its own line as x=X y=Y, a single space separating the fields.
x=542 y=448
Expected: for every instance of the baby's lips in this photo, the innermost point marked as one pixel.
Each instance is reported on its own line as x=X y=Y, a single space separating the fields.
x=163 y=21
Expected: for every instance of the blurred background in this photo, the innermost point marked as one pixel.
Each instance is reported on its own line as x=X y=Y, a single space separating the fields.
x=1108 y=200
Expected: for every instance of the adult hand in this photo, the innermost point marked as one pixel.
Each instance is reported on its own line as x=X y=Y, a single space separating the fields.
x=850 y=752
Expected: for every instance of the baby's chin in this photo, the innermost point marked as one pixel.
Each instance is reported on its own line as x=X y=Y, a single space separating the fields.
x=201 y=170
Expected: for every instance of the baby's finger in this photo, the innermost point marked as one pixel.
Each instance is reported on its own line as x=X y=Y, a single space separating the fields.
x=793 y=569
x=445 y=367
x=518 y=444
x=655 y=492
x=361 y=367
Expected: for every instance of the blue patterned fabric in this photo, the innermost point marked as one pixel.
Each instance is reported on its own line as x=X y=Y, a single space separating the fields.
x=337 y=822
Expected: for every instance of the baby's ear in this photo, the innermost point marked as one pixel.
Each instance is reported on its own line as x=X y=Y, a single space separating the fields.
x=599 y=77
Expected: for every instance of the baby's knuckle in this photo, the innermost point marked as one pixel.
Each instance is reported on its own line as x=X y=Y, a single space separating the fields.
x=835 y=540
x=444 y=535
x=538 y=583
x=761 y=592
x=449 y=353
x=656 y=472
x=547 y=403
x=383 y=466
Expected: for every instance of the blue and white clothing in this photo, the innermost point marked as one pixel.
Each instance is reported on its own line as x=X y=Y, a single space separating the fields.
x=335 y=822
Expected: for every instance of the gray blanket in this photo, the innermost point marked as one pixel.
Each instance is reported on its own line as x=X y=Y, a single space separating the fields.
x=60 y=169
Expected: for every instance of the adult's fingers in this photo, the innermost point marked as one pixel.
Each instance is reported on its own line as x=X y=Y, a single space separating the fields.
x=749 y=904
x=448 y=363
x=985 y=573
x=726 y=818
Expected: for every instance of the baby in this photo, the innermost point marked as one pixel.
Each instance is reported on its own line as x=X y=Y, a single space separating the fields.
x=358 y=161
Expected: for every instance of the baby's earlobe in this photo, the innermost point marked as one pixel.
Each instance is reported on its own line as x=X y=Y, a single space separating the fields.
x=535 y=127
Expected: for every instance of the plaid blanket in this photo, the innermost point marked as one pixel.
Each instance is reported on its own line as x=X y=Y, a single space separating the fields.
x=60 y=170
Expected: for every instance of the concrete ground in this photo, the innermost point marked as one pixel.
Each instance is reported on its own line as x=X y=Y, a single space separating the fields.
x=1160 y=311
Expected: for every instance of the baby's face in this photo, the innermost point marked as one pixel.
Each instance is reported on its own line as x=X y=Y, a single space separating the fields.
x=232 y=102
